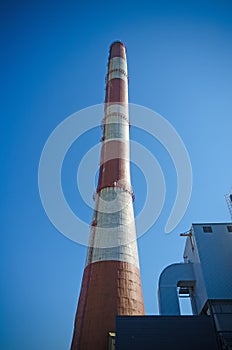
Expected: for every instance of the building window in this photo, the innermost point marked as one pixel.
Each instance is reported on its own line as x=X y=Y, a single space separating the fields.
x=207 y=229
x=229 y=228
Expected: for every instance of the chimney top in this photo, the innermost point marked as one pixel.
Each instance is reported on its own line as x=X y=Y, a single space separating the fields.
x=117 y=49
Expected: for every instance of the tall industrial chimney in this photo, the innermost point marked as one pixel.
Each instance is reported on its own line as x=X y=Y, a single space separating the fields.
x=111 y=282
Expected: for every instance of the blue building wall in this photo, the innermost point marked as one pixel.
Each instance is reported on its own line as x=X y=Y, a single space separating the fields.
x=211 y=255
x=207 y=269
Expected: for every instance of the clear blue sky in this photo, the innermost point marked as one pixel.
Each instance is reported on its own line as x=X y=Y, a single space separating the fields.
x=54 y=60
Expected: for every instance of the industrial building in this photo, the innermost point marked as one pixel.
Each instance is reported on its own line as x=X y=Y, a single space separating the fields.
x=205 y=277
x=110 y=311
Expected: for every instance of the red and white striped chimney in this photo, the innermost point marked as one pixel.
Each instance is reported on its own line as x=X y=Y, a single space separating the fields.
x=111 y=282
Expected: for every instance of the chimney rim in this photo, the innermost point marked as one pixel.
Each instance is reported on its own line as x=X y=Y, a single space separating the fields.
x=118 y=42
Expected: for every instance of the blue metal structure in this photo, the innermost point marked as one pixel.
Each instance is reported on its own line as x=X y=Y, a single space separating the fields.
x=206 y=274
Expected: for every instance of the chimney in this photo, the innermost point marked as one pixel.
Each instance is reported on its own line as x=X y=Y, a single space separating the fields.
x=111 y=282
